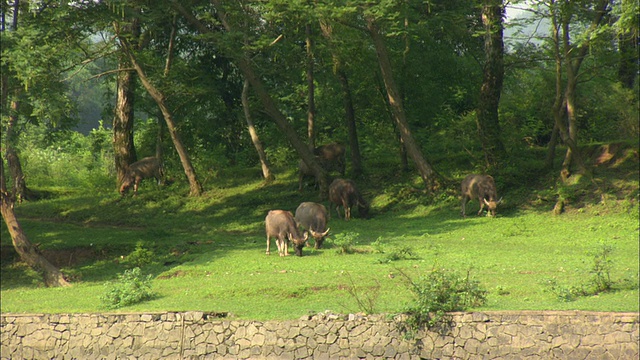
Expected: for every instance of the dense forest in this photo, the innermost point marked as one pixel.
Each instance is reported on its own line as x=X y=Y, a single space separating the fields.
x=212 y=86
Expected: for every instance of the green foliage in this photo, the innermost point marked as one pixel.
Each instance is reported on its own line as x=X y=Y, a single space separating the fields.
x=345 y=242
x=438 y=292
x=132 y=287
x=392 y=253
x=67 y=158
x=601 y=268
x=141 y=256
x=600 y=281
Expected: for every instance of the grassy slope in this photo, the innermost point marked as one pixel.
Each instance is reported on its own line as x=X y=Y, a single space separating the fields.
x=209 y=252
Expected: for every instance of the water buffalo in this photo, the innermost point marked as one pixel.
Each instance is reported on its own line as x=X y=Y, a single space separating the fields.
x=331 y=157
x=344 y=192
x=149 y=167
x=281 y=225
x=483 y=188
x=313 y=217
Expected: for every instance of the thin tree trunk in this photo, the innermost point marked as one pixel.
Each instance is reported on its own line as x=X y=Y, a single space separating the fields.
x=28 y=253
x=551 y=148
x=18 y=185
x=628 y=49
x=264 y=163
x=269 y=106
x=487 y=117
x=311 y=106
x=573 y=57
x=350 y=117
x=429 y=176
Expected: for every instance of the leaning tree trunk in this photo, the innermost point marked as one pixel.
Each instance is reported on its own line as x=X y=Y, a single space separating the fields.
x=428 y=174
x=18 y=185
x=28 y=253
x=264 y=163
x=487 y=116
x=194 y=185
x=269 y=106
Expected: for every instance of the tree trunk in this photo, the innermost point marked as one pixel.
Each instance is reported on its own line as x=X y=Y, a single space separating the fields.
x=573 y=56
x=493 y=74
x=264 y=163
x=269 y=106
x=311 y=106
x=628 y=49
x=28 y=253
x=123 y=145
x=194 y=185
x=429 y=176
x=551 y=148
x=350 y=117
x=18 y=185
x=350 y=120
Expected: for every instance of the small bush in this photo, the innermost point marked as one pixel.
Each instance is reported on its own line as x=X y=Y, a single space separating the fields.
x=439 y=292
x=130 y=288
x=141 y=256
x=345 y=242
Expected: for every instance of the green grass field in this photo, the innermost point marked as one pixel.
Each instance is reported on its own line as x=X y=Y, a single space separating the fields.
x=208 y=254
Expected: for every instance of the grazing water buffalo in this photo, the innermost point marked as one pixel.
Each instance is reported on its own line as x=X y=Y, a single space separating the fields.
x=483 y=188
x=281 y=225
x=143 y=169
x=313 y=217
x=330 y=156
x=344 y=192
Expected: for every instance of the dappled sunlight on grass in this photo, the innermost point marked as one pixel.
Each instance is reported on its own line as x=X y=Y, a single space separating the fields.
x=208 y=253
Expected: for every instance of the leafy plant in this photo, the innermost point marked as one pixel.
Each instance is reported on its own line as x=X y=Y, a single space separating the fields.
x=601 y=269
x=438 y=292
x=140 y=256
x=562 y=293
x=345 y=242
x=132 y=287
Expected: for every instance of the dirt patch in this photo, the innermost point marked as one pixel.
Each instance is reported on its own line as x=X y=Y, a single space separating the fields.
x=611 y=155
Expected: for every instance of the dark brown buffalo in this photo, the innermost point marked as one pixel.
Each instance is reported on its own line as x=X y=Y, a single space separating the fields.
x=149 y=167
x=483 y=188
x=313 y=217
x=343 y=192
x=281 y=225
x=331 y=158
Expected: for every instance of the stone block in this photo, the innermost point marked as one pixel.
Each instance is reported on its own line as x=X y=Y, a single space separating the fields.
x=322 y=329
x=307 y=331
x=257 y=340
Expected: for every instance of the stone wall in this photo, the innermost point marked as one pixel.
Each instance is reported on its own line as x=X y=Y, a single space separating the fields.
x=197 y=335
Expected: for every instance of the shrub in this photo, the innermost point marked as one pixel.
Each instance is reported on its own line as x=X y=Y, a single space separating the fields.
x=140 y=256
x=130 y=288
x=345 y=242
x=438 y=292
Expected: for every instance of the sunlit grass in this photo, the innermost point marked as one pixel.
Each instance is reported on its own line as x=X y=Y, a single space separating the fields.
x=210 y=251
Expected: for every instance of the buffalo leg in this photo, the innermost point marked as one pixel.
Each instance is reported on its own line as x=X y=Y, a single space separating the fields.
x=480 y=200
